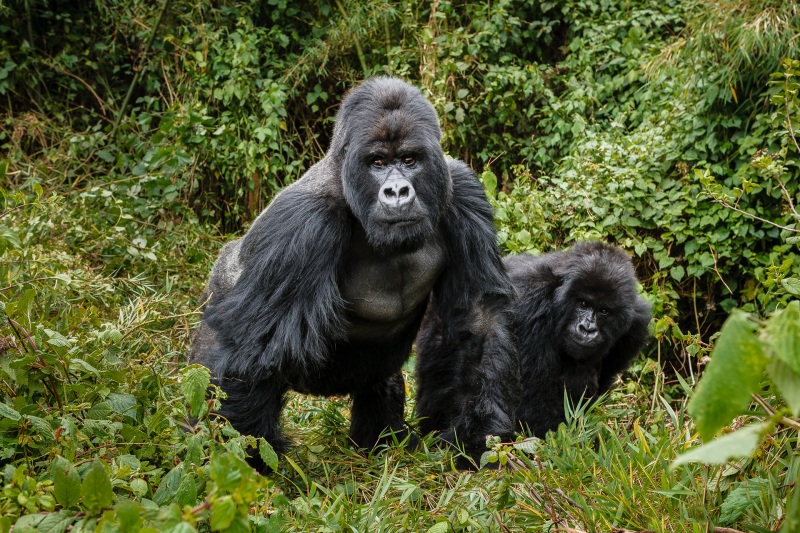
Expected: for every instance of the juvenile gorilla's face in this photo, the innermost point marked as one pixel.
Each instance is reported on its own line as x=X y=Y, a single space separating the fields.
x=394 y=174
x=593 y=326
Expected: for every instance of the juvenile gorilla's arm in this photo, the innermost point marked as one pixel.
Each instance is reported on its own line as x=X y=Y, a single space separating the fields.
x=282 y=312
x=627 y=347
x=469 y=375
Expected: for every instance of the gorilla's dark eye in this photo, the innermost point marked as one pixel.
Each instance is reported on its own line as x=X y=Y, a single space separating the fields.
x=603 y=311
x=378 y=162
x=409 y=160
x=583 y=304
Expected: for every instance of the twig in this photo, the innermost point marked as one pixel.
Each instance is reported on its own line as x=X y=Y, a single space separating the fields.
x=771 y=223
x=62 y=70
x=138 y=72
x=357 y=42
x=788 y=116
x=715 y=256
x=785 y=420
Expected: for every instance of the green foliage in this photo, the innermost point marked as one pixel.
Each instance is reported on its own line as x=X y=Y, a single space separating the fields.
x=652 y=124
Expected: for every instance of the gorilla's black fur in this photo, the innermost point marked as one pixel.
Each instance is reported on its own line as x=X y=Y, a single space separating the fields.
x=578 y=323
x=326 y=291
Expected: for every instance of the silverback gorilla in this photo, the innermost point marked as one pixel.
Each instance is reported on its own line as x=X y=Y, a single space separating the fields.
x=578 y=323
x=325 y=293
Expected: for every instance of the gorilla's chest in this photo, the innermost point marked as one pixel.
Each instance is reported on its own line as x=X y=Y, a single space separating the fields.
x=385 y=293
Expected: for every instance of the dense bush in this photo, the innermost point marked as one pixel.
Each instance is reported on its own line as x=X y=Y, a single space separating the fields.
x=653 y=124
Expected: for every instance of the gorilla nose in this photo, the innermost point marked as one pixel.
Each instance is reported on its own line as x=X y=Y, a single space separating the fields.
x=397 y=194
x=587 y=330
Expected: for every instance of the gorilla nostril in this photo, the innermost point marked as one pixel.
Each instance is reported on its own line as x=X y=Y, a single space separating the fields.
x=389 y=193
x=403 y=192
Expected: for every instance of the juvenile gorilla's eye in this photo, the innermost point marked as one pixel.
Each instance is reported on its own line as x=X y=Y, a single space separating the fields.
x=603 y=311
x=378 y=162
x=583 y=304
x=409 y=160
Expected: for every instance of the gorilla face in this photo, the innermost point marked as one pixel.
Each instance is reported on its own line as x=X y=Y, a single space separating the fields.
x=394 y=174
x=595 y=311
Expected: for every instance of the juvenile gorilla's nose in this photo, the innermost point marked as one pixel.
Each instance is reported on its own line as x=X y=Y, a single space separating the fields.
x=397 y=194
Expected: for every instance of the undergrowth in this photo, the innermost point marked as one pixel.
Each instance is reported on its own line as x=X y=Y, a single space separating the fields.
x=666 y=127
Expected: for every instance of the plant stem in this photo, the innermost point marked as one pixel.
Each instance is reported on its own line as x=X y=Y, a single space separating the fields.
x=359 y=51
x=138 y=72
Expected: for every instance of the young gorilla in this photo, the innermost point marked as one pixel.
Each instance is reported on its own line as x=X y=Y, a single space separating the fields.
x=578 y=323
x=325 y=293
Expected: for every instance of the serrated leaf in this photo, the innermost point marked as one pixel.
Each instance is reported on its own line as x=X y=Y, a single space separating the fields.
x=7 y=412
x=66 y=482
x=124 y=404
x=740 y=443
x=96 y=488
x=194 y=385
x=169 y=486
x=139 y=487
x=740 y=500
x=223 y=511
x=187 y=491
x=489 y=180
x=737 y=364
x=41 y=427
x=527 y=446
x=788 y=383
x=792 y=285
x=783 y=333
x=439 y=527
x=129 y=515
x=268 y=454
x=55 y=522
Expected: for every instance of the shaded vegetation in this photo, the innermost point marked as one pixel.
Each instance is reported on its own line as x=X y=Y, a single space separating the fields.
x=667 y=127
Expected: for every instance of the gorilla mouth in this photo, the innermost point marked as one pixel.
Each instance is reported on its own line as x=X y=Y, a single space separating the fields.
x=400 y=221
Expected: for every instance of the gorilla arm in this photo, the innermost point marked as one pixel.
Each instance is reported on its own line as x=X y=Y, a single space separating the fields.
x=471 y=301
x=285 y=307
x=627 y=347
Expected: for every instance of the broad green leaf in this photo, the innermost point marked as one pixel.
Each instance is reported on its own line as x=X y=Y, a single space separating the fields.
x=42 y=427
x=223 y=511
x=741 y=499
x=129 y=515
x=792 y=285
x=528 y=445
x=7 y=412
x=194 y=386
x=740 y=443
x=169 y=486
x=180 y=527
x=788 y=383
x=139 y=487
x=96 y=488
x=124 y=404
x=66 y=482
x=5 y=524
x=439 y=527
x=56 y=522
x=187 y=491
x=783 y=332
x=489 y=180
x=737 y=364
x=268 y=454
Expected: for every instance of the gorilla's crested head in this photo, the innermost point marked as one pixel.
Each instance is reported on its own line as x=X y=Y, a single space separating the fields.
x=394 y=175
x=598 y=286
